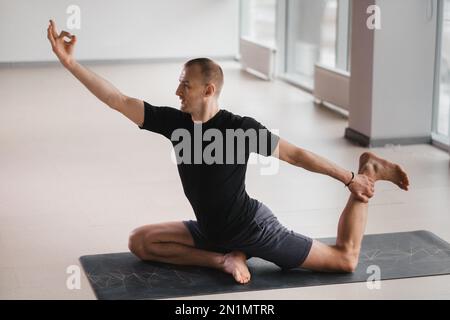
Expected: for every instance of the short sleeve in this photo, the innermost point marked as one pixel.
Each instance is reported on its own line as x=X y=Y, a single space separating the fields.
x=162 y=120
x=266 y=140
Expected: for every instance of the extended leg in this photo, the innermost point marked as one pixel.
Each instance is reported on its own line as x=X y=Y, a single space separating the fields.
x=343 y=256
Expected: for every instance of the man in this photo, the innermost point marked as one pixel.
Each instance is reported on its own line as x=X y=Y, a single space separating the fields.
x=230 y=225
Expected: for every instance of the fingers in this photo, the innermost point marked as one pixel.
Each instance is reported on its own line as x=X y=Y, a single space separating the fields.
x=54 y=33
x=362 y=198
x=73 y=40
x=363 y=188
x=65 y=34
x=50 y=37
x=370 y=192
x=53 y=29
x=53 y=37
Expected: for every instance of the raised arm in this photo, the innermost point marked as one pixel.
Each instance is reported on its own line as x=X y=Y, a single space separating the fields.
x=132 y=108
x=361 y=185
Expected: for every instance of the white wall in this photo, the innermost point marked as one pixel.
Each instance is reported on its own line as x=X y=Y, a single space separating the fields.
x=361 y=74
x=114 y=29
x=392 y=72
x=403 y=78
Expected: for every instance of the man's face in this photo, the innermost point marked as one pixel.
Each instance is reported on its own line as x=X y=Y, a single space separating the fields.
x=191 y=89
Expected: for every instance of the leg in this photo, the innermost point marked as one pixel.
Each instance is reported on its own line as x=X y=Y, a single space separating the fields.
x=172 y=242
x=343 y=256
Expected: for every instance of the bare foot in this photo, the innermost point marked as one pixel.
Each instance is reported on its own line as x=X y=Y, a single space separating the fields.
x=381 y=169
x=235 y=264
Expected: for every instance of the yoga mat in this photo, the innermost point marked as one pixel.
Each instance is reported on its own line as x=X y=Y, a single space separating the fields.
x=397 y=255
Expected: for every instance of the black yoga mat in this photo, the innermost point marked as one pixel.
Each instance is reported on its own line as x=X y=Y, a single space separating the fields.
x=397 y=255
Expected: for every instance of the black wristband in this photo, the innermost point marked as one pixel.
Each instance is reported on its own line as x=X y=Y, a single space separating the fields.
x=351 y=180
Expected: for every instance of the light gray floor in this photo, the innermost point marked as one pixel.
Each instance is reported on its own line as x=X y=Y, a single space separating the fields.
x=76 y=177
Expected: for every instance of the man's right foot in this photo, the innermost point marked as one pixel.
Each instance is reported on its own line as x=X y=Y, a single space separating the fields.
x=381 y=169
x=235 y=263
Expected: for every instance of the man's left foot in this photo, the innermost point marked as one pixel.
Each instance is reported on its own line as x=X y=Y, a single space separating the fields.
x=380 y=169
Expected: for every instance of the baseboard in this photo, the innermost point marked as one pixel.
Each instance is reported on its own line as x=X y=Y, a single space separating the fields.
x=365 y=141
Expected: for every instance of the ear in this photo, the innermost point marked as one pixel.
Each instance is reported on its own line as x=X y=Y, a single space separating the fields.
x=210 y=90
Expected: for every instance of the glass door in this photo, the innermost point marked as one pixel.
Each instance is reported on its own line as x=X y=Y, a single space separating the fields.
x=316 y=32
x=441 y=115
x=258 y=19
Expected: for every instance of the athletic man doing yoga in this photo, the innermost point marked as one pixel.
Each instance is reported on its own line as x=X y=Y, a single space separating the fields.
x=231 y=226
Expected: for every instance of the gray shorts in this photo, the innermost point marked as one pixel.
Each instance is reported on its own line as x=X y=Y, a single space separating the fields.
x=266 y=238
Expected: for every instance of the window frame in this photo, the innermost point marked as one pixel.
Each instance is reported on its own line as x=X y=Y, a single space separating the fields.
x=342 y=52
x=438 y=139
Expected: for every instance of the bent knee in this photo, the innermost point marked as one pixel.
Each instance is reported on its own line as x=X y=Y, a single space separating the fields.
x=136 y=243
x=349 y=262
x=349 y=267
x=141 y=242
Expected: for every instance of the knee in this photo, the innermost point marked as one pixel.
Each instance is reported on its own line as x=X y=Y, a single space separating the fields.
x=137 y=243
x=349 y=266
x=349 y=261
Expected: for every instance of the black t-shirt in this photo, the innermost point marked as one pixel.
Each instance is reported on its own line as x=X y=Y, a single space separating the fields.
x=214 y=182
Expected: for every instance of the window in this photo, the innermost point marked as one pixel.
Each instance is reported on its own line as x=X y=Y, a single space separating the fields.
x=442 y=101
x=258 y=20
x=317 y=32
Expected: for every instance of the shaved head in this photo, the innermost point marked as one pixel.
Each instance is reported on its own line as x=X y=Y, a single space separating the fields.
x=210 y=71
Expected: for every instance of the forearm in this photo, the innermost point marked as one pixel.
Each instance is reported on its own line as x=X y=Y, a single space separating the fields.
x=100 y=87
x=315 y=163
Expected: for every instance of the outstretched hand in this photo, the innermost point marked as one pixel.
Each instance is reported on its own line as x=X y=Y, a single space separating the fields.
x=362 y=187
x=62 y=48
